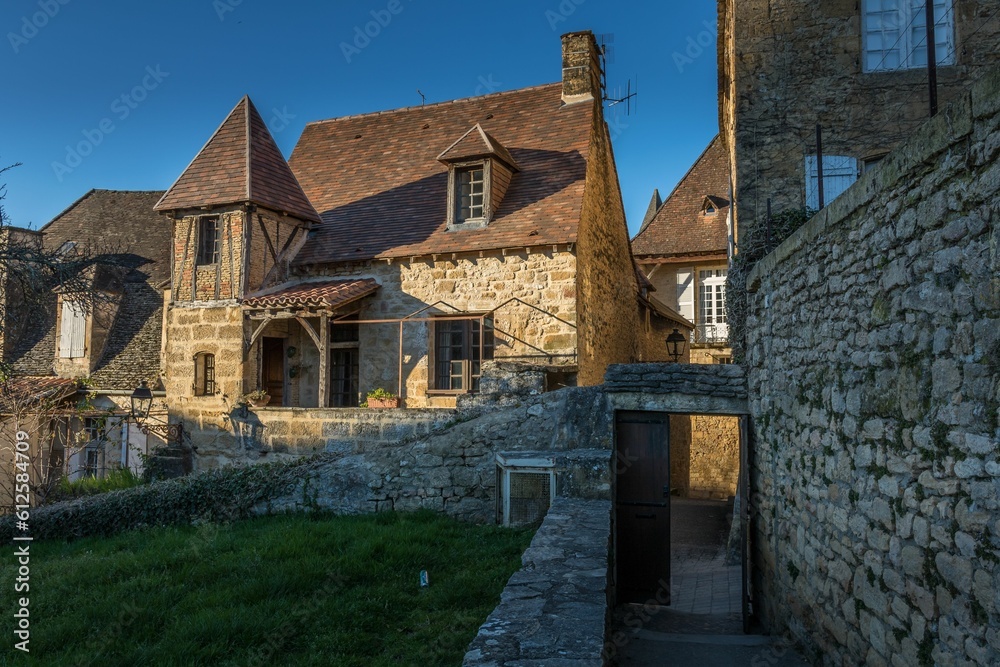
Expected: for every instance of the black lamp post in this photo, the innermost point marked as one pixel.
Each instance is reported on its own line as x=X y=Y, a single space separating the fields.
x=676 y=343
x=142 y=401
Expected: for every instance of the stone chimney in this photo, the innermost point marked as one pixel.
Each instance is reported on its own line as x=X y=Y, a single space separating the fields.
x=581 y=67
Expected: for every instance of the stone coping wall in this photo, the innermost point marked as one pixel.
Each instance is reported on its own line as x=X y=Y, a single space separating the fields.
x=720 y=380
x=874 y=375
x=312 y=430
x=554 y=610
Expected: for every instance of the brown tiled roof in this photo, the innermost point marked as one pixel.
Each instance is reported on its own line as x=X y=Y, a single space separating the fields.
x=329 y=293
x=26 y=392
x=377 y=183
x=680 y=226
x=240 y=163
x=477 y=142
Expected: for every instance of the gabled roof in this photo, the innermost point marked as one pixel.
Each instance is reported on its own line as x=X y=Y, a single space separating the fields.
x=329 y=293
x=240 y=163
x=381 y=191
x=680 y=226
x=477 y=142
x=124 y=225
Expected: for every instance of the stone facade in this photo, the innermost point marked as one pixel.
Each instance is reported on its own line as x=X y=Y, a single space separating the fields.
x=874 y=385
x=715 y=456
x=532 y=293
x=807 y=67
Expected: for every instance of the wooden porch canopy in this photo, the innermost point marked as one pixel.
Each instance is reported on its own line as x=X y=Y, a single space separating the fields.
x=302 y=301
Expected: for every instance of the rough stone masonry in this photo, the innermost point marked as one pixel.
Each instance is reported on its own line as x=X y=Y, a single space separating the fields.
x=874 y=378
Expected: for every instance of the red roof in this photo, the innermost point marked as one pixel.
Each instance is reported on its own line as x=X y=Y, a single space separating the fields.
x=23 y=393
x=477 y=142
x=240 y=163
x=681 y=227
x=329 y=293
x=377 y=183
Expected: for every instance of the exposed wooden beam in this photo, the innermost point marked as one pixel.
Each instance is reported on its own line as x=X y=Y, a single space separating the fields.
x=324 y=358
x=312 y=333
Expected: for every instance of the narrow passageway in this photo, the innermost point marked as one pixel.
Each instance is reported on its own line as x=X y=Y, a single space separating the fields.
x=703 y=625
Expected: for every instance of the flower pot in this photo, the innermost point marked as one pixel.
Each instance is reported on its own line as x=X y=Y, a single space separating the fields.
x=260 y=402
x=383 y=402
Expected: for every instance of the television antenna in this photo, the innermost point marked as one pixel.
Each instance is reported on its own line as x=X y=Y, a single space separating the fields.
x=605 y=42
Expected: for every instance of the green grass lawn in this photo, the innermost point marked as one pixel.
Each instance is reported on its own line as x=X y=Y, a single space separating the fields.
x=285 y=590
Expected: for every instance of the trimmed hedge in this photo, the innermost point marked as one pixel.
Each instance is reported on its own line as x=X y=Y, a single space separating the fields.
x=224 y=494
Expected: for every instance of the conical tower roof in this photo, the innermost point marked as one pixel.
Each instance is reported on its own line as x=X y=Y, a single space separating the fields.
x=240 y=163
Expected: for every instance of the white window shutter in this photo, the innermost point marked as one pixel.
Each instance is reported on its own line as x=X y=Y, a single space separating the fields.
x=72 y=331
x=839 y=173
x=685 y=293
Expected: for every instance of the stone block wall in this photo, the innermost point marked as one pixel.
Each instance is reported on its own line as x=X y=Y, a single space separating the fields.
x=786 y=66
x=610 y=327
x=874 y=382
x=541 y=330
x=714 y=456
x=554 y=609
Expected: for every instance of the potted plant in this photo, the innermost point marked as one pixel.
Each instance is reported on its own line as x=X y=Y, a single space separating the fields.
x=380 y=398
x=257 y=398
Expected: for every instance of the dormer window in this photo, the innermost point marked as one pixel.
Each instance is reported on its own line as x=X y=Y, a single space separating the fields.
x=479 y=172
x=470 y=194
x=72 y=330
x=710 y=210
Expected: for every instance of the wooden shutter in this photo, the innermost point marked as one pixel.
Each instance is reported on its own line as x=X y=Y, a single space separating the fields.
x=839 y=172
x=72 y=331
x=685 y=293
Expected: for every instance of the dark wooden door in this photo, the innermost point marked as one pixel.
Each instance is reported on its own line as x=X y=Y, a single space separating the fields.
x=272 y=372
x=642 y=517
x=344 y=377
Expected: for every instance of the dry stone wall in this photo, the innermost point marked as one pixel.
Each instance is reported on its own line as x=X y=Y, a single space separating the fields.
x=874 y=341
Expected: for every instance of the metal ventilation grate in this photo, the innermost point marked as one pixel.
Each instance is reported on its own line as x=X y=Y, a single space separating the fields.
x=526 y=488
x=530 y=495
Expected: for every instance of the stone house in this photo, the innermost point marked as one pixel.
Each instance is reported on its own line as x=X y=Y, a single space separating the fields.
x=399 y=250
x=858 y=70
x=682 y=249
x=100 y=344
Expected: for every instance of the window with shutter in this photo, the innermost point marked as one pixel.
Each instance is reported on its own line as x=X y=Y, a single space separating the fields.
x=839 y=172
x=685 y=293
x=72 y=330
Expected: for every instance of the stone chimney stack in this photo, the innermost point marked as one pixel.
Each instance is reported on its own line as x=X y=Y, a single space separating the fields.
x=581 y=67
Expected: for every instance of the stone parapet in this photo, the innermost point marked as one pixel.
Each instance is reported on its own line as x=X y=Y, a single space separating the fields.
x=720 y=380
x=554 y=609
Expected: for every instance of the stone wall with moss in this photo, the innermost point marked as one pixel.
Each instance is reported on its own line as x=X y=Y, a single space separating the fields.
x=874 y=377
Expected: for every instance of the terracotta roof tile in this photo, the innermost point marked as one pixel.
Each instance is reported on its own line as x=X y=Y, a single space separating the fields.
x=680 y=226
x=240 y=163
x=477 y=142
x=330 y=293
x=377 y=183
x=23 y=392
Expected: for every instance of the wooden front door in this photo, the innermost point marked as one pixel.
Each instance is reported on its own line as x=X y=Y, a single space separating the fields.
x=272 y=372
x=642 y=441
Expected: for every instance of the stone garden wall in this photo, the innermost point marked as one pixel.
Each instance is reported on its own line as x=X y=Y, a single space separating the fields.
x=554 y=609
x=874 y=377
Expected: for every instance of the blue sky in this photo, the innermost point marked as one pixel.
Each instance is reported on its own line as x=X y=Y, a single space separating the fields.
x=122 y=95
